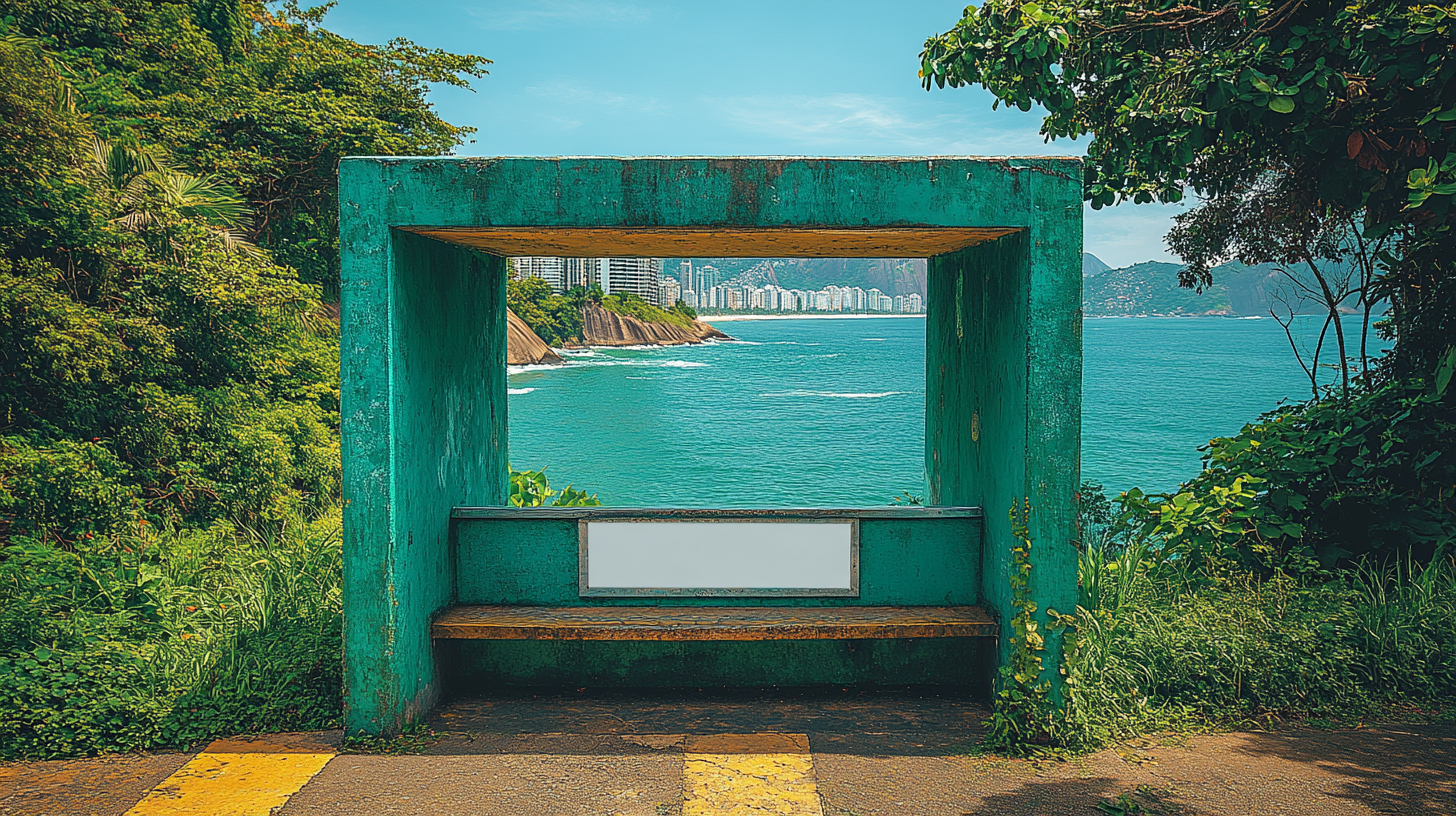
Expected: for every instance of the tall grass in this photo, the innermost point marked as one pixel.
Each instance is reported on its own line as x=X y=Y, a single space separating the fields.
x=167 y=637
x=1156 y=647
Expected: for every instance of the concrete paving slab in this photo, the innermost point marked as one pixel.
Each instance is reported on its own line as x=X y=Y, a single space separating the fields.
x=903 y=752
x=1297 y=771
x=507 y=784
x=100 y=786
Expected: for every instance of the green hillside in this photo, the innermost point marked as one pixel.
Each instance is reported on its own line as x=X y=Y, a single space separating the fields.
x=1151 y=288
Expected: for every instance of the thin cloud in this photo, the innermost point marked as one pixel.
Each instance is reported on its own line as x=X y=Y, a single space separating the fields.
x=550 y=13
x=876 y=125
x=574 y=94
x=1130 y=233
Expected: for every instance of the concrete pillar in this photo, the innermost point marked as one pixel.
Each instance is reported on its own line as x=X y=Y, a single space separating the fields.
x=424 y=429
x=1004 y=396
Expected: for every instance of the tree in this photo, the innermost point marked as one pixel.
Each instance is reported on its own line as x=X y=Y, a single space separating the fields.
x=1320 y=248
x=1352 y=102
x=258 y=95
x=148 y=369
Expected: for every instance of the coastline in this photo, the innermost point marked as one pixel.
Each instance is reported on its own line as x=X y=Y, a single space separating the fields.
x=729 y=318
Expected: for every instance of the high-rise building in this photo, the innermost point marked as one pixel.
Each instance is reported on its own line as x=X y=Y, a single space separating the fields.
x=705 y=277
x=669 y=293
x=547 y=269
x=872 y=300
x=899 y=304
x=583 y=272
x=685 y=277
x=639 y=276
x=913 y=304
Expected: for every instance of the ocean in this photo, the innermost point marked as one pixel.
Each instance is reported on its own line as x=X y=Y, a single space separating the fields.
x=831 y=412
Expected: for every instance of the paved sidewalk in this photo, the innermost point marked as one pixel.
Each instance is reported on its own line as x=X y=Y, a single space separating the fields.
x=694 y=754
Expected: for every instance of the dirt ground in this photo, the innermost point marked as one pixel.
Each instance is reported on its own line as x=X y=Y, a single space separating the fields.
x=903 y=753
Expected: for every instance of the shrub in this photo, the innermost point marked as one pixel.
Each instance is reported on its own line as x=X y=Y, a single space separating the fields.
x=152 y=639
x=1316 y=486
x=626 y=303
x=63 y=489
x=1159 y=642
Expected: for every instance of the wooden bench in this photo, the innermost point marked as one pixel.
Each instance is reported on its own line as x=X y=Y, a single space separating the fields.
x=698 y=623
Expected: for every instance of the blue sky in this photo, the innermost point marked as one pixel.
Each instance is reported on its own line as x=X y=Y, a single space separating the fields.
x=792 y=77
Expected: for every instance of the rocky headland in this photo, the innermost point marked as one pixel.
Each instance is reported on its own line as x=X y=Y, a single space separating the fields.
x=600 y=327
x=524 y=347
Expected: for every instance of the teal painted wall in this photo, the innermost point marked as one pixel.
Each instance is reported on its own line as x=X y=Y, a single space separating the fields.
x=718 y=664
x=711 y=192
x=903 y=562
x=907 y=562
x=1003 y=391
x=424 y=428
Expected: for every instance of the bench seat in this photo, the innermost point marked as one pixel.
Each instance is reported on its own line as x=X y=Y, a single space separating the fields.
x=692 y=623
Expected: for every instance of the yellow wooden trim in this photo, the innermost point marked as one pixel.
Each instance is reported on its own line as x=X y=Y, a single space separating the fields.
x=691 y=242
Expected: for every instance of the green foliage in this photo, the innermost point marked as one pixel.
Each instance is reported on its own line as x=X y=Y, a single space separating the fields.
x=530 y=488
x=197 y=381
x=626 y=303
x=682 y=308
x=556 y=319
x=258 y=95
x=67 y=491
x=1174 y=653
x=1343 y=111
x=1024 y=709
x=169 y=371
x=1311 y=486
x=163 y=638
x=1204 y=96
x=1159 y=642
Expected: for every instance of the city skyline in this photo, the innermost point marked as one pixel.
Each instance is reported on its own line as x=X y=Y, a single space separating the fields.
x=702 y=287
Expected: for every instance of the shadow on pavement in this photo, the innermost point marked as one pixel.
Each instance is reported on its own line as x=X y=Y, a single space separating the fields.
x=902 y=721
x=1389 y=768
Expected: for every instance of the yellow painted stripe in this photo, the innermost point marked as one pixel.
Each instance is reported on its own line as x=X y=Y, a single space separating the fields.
x=238 y=780
x=749 y=775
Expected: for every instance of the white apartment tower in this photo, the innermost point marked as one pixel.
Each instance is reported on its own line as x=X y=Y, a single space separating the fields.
x=547 y=269
x=636 y=275
x=583 y=272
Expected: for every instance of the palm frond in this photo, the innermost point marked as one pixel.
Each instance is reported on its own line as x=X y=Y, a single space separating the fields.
x=201 y=197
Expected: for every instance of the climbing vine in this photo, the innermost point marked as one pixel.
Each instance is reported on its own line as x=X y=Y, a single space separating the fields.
x=1024 y=712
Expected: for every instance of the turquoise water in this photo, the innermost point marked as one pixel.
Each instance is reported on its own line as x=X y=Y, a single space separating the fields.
x=831 y=413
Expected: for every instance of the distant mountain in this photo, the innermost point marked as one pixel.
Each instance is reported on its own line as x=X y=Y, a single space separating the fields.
x=893 y=276
x=1148 y=288
x=1151 y=288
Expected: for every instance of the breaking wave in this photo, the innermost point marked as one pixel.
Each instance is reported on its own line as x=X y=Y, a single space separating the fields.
x=834 y=394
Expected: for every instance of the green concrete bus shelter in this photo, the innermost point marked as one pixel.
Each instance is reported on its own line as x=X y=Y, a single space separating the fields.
x=424 y=244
